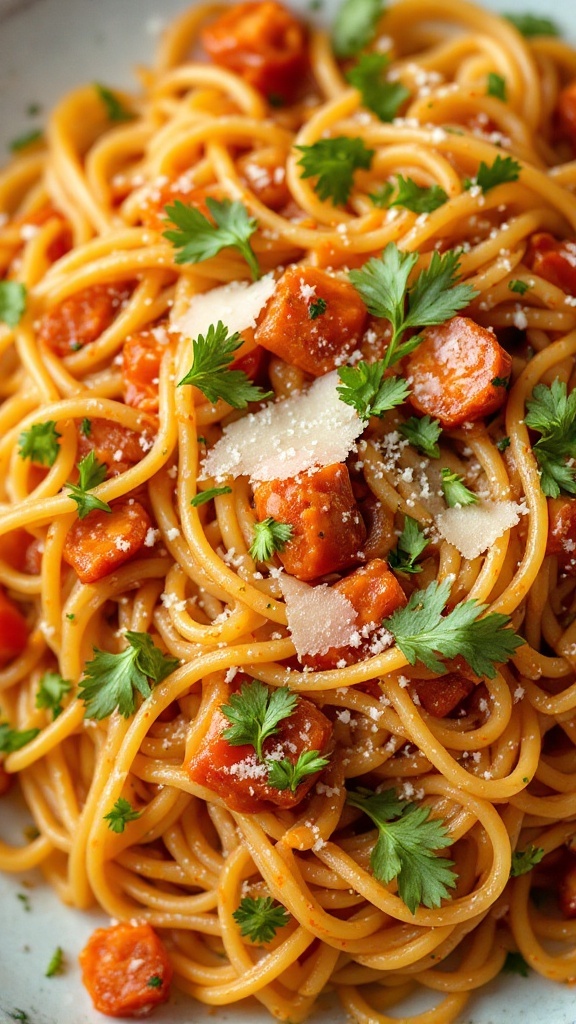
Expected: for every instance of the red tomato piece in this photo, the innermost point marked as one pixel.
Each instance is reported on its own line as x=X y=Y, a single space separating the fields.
x=126 y=970
x=13 y=630
x=237 y=776
x=375 y=593
x=553 y=260
x=81 y=318
x=142 y=355
x=566 y=113
x=6 y=780
x=261 y=42
x=452 y=372
x=440 y=696
x=328 y=530
x=314 y=344
x=103 y=541
x=117 y=446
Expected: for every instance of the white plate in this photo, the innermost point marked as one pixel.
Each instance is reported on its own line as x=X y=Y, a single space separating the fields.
x=46 y=47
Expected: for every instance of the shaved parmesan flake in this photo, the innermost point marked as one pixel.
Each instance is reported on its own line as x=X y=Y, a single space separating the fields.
x=311 y=429
x=474 y=528
x=236 y=304
x=318 y=617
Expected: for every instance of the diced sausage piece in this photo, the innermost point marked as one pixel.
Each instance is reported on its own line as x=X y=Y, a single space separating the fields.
x=264 y=171
x=126 y=970
x=314 y=343
x=6 y=780
x=117 y=446
x=553 y=260
x=153 y=213
x=141 y=358
x=566 y=113
x=440 y=696
x=375 y=593
x=13 y=630
x=458 y=372
x=235 y=772
x=261 y=42
x=103 y=541
x=81 y=318
x=328 y=530
x=562 y=532
x=567 y=889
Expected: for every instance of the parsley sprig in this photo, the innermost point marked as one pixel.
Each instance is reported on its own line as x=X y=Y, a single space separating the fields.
x=503 y=170
x=40 y=443
x=432 y=298
x=381 y=97
x=423 y=433
x=14 y=739
x=56 y=963
x=407 y=840
x=111 y=681
x=91 y=473
x=269 y=536
x=455 y=490
x=552 y=413
x=203 y=497
x=198 y=238
x=333 y=163
x=212 y=355
x=496 y=86
x=121 y=813
x=51 y=689
x=418 y=198
x=411 y=544
x=533 y=25
x=285 y=774
x=422 y=632
x=256 y=713
x=260 y=918
x=113 y=105
x=367 y=390
x=12 y=302
x=524 y=860
x=355 y=25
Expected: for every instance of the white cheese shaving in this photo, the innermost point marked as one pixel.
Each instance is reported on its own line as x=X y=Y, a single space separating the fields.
x=474 y=528
x=236 y=304
x=318 y=617
x=311 y=429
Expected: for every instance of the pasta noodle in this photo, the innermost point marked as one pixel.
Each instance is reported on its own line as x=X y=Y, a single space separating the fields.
x=96 y=356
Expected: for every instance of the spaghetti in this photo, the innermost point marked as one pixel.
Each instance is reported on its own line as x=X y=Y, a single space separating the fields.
x=127 y=531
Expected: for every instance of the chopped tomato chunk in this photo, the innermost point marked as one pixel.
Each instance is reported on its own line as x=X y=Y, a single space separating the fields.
x=237 y=776
x=13 y=630
x=264 y=171
x=261 y=42
x=375 y=593
x=328 y=530
x=153 y=213
x=14 y=547
x=440 y=696
x=126 y=970
x=553 y=260
x=81 y=318
x=103 y=541
x=562 y=532
x=316 y=344
x=458 y=372
x=6 y=780
x=117 y=446
x=566 y=113
x=142 y=355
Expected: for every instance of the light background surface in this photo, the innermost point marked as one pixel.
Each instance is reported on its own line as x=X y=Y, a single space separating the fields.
x=47 y=47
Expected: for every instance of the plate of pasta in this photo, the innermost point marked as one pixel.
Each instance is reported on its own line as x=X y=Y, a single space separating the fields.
x=288 y=512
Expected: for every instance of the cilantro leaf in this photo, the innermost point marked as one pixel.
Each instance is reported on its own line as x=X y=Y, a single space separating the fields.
x=205 y=496
x=496 y=86
x=286 y=775
x=422 y=632
x=552 y=413
x=40 y=443
x=333 y=162
x=423 y=433
x=533 y=25
x=516 y=964
x=56 y=963
x=518 y=286
x=269 y=536
x=27 y=139
x=411 y=544
x=524 y=860
x=212 y=355
x=381 y=197
x=365 y=388
x=455 y=490
x=355 y=25
x=91 y=473
x=256 y=713
x=51 y=689
x=434 y=297
x=317 y=308
x=121 y=813
x=111 y=680
x=418 y=198
x=199 y=239
x=260 y=918
x=405 y=848
x=381 y=97
x=14 y=739
x=115 y=109
x=504 y=169
x=12 y=302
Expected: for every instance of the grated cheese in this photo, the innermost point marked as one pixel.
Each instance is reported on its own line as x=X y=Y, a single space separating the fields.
x=474 y=528
x=308 y=430
x=236 y=304
x=318 y=617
